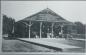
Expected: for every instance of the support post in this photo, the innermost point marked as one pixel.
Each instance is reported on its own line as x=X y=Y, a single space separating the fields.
x=62 y=30
x=29 y=28
x=48 y=34
x=52 y=30
x=13 y=29
x=28 y=25
x=40 y=29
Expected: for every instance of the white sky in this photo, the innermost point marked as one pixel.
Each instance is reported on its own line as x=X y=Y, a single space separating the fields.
x=69 y=10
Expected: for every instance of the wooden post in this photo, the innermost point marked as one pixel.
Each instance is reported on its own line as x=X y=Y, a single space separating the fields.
x=52 y=30
x=28 y=25
x=40 y=29
x=62 y=30
x=29 y=28
x=48 y=34
x=13 y=28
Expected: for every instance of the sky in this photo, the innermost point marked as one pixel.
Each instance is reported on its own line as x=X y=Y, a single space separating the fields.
x=70 y=10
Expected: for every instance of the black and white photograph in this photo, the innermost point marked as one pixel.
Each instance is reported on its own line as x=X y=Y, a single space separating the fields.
x=43 y=26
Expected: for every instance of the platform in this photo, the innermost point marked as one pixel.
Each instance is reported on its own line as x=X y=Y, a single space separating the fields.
x=48 y=44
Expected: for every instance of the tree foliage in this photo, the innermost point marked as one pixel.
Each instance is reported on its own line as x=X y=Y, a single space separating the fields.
x=8 y=24
x=80 y=28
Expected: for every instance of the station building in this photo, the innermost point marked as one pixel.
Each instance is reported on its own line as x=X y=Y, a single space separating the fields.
x=44 y=24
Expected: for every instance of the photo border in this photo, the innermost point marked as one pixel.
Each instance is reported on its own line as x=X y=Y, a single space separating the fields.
x=32 y=53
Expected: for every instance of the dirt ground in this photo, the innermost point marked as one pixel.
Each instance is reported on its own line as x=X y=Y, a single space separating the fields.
x=20 y=46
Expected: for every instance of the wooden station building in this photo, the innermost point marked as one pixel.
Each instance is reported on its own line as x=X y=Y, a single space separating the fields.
x=44 y=24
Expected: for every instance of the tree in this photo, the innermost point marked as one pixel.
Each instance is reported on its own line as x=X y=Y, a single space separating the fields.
x=80 y=28
x=8 y=24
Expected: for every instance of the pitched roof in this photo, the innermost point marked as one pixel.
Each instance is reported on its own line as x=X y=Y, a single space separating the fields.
x=45 y=15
